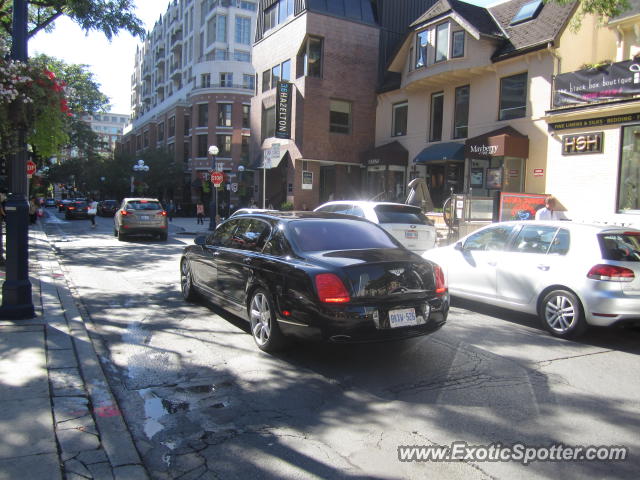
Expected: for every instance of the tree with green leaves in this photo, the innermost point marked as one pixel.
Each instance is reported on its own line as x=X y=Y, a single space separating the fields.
x=601 y=8
x=106 y=16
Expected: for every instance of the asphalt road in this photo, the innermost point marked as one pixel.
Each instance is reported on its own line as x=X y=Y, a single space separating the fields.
x=203 y=402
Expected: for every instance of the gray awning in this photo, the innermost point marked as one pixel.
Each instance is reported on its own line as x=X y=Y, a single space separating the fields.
x=449 y=151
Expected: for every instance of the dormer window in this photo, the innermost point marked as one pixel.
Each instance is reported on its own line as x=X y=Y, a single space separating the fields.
x=422 y=41
x=442 y=42
x=527 y=12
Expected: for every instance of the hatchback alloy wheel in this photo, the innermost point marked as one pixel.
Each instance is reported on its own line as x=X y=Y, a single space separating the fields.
x=562 y=314
x=264 y=327
x=186 y=282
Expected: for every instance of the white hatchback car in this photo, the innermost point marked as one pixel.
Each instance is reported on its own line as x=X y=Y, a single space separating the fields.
x=412 y=228
x=570 y=275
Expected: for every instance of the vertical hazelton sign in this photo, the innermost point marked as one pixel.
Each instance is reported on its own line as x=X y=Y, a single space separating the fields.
x=283 y=110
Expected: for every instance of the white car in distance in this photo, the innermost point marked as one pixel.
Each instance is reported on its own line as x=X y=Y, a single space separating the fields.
x=407 y=223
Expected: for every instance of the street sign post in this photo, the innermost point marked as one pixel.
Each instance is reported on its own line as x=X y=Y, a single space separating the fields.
x=217 y=178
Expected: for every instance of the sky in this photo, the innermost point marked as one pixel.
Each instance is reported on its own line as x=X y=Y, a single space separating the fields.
x=111 y=63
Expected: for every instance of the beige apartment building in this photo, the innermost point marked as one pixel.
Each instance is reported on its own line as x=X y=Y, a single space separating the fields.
x=474 y=105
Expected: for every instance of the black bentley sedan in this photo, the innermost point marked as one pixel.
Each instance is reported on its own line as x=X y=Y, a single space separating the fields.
x=315 y=276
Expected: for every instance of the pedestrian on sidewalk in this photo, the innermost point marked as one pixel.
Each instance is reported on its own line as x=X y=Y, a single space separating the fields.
x=92 y=211
x=200 y=213
x=171 y=210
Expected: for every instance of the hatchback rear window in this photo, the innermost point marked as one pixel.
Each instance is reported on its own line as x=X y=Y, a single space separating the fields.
x=624 y=247
x=319 y=235
x=141 y=205
x=401 y=214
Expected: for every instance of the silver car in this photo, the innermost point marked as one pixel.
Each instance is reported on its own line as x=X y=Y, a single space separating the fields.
x=570 y=275
x=140 y=216
x=412 y=228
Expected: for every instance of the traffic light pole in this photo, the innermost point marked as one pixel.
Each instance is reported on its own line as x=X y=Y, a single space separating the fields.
x=16 y=290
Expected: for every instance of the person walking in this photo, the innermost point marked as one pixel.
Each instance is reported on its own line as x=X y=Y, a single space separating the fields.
x=33 y=210
x=200 y=213
x=552 y=210
x=92 y=211
x=171 y=209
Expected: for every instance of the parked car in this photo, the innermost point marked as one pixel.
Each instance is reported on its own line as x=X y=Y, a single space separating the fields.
x=62 y=204
x=140 y=216
x=242 y=211
x=315 y=276
x=49 y=202
x=406 y=223
x=570 y=275
x=107 y=208
x=76 y=209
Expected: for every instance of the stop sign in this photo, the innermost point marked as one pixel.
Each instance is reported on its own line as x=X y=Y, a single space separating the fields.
x=217 y=178
x=31 y=167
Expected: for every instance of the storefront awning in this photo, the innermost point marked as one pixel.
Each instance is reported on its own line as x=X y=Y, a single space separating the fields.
x=392 y=153
x=450 y=151
x=504 y=142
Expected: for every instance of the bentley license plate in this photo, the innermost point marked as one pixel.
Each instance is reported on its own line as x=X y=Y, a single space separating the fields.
x=403 y=317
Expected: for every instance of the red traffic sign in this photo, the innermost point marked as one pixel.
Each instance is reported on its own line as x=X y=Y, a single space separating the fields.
x=217 y=178
x=31 y=167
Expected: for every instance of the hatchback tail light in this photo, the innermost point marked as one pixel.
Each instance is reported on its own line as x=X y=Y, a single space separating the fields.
x=124 y=213
x=441 y=284
x=163 y=213
x=331 y=289
x=71 y=208
x=611 y=273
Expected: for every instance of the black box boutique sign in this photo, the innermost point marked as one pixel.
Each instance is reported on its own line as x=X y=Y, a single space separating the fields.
x=610 y=82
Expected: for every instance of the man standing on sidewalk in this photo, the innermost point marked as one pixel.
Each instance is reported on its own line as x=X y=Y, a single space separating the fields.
x=92 y=211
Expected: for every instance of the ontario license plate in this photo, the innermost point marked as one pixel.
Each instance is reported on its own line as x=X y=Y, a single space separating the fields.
x=411 y=234
x=403 y=317
x=144 y=217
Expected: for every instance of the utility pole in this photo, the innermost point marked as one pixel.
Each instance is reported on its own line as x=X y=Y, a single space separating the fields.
x=16 y=290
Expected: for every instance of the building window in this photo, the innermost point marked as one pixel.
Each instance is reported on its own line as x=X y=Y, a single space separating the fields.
x=246 y=116
x=248 y=82
x=629 y=182
x=161 y=131
x=310 y=58
x=172 y=127
x=457 y=44
x=244 y=155
x=270 y=17
x=437 y=110
x=243 y=30
x=399 y=119
x=203 y=114
x=203 y=146
x=185 y=152
x=187 y=125
x=285 y=71
x=224 y=145
x=242 y=56
x=340 y=116
x=226 y=79
x=422 y=42
x=266 y=80
x=224 y=114
x=268 y=122
x=275 y=75
x=461 y=112
x=277 y=13
x=205 y=80
x=221 y=28
x=145 y=138
x=513 y=97
x=442 y=42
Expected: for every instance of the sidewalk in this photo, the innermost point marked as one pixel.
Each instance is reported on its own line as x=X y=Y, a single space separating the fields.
x=58 y=416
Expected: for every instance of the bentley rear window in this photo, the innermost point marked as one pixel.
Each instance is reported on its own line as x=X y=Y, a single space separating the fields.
x=320 y=235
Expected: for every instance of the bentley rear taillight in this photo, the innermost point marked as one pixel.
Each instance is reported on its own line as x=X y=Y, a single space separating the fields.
x=441 y=284
x=331 y=289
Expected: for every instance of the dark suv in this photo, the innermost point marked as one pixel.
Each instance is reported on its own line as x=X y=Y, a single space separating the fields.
x=107 y=208
x=76 y=209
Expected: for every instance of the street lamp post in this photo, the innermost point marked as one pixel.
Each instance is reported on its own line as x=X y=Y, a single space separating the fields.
x=213 y=206
x=138 y=167
x=17 y=302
